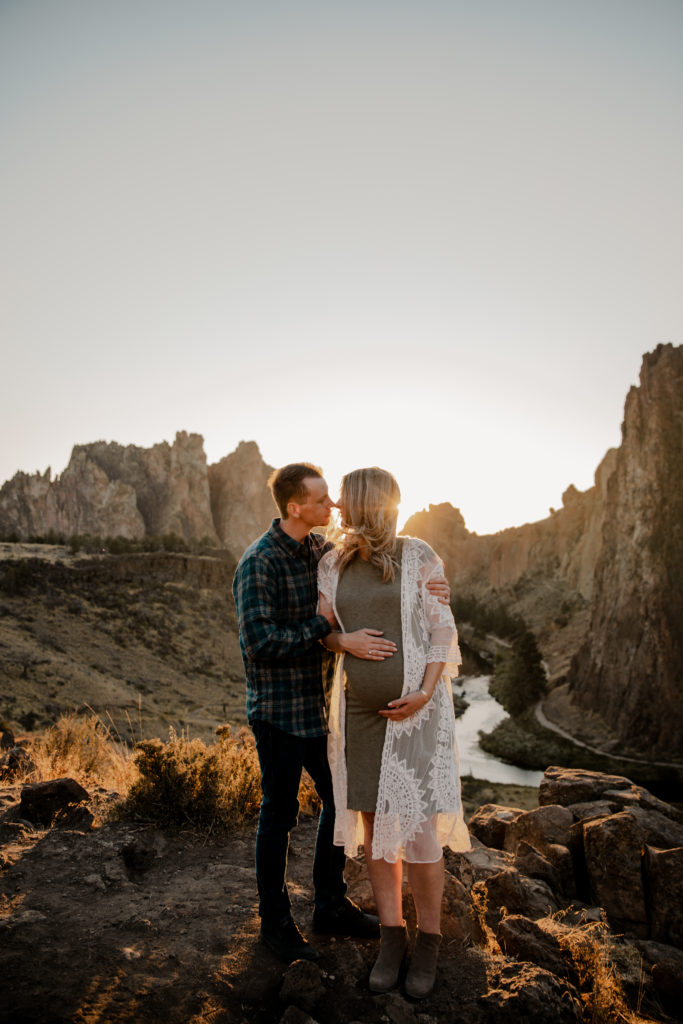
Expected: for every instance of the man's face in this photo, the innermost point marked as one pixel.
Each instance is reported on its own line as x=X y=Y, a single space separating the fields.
x=316 y=507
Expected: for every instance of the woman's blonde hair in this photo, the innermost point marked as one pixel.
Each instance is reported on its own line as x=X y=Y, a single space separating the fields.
x=369 y=509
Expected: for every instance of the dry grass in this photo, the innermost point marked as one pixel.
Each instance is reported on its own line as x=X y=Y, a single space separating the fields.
x=85 y=749
x=592 y=951
x=182 y=782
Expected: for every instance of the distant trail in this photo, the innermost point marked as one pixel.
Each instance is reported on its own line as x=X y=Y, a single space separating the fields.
x=547 y=724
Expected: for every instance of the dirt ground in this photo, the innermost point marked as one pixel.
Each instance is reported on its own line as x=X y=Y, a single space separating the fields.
x=124 y=923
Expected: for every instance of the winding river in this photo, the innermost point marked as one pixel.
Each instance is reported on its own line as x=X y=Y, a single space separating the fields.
x=482 y=715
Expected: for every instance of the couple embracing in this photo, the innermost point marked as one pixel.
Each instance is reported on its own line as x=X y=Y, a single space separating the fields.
x=346 y=648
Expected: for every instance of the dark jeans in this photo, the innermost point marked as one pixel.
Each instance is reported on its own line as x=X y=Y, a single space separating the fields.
x=282 y=758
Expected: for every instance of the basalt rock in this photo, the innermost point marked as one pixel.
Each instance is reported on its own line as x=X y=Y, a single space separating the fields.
x=600 y=581
x=630 y=667
x=42 y=801
x=112 y=490
x=241 y=502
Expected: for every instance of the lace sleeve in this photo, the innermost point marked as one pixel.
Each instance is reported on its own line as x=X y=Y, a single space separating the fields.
x=327 y=575
x=443 y=635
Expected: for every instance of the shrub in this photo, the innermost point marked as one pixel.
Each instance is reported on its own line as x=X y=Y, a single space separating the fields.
x=214 y=788
x=184 y=782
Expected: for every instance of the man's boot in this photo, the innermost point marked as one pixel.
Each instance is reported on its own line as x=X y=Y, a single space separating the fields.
x=392 y=948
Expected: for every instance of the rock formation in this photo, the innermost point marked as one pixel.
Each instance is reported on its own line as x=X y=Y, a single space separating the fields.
x=111 y=490
x=615 y=549
x=542 y=571
x=630 y=667
x=241 y=503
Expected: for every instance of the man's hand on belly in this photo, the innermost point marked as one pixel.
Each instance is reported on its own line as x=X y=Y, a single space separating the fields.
x=368 y=644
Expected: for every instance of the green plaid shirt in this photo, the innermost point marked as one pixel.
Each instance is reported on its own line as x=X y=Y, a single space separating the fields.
x=276 y=593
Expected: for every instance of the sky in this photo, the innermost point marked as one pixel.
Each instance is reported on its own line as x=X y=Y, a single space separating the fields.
x=432 y=236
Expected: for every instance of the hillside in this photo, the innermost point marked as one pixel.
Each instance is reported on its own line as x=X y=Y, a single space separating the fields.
x=148 y=641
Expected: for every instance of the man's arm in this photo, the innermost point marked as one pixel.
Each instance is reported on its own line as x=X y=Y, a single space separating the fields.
x=440 y=589
x=363 y=643
x=255 y=590
x=368 y=644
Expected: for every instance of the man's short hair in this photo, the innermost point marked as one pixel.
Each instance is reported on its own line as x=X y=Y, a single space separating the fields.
x=287 y=484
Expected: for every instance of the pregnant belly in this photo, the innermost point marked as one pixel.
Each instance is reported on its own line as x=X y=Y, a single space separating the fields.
x=372 y=684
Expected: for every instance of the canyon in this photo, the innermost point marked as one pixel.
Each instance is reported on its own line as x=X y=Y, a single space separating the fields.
x=599 y=581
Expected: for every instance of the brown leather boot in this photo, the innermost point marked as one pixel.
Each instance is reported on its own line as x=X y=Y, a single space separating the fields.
x=392 y=948
x=422 y=970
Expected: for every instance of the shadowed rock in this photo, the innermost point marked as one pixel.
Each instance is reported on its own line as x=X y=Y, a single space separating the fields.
x=41 y=801
x=664 y=888
x=525 y=992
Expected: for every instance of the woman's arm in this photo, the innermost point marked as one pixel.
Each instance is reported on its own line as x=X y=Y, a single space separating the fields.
x=404 y=707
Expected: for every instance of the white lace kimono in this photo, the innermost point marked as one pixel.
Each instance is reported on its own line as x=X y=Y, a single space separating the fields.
x=419 y=810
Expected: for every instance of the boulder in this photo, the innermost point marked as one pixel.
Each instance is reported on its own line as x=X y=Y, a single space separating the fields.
x=491 y=822
x=41 y=801
x=458 y=921
x=567 y=786
x=664 y=894
x=528 y=861
x=540 y=828
x=665 y=964
x=302 y=985
x=525 y=940
x=293 y=1015
x=590 y=809
x=477 y=864
x=509 y=892
x=612 y=849
x=523 y=992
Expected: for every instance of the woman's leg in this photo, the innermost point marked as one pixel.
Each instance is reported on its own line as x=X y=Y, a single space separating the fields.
x=427 y=882
x=386 y=882
x=386 y=879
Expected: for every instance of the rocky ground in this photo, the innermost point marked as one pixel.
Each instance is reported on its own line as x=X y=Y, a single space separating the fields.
x=122 y=922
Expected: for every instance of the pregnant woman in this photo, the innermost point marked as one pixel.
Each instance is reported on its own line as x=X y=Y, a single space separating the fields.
x=392 y=726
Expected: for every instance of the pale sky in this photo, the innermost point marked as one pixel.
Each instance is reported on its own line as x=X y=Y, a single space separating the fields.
x=433 y=236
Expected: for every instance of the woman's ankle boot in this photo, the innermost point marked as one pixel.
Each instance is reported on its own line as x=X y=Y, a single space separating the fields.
x=422 y=970
x=392 y=948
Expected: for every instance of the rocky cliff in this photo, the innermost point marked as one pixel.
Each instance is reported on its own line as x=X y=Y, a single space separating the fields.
x=542 y=571
x=601 y=580
x=112 y=490
x=241 y=504
x=630 y=668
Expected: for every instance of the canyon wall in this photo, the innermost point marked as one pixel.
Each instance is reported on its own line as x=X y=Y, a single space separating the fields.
x=111 y=490
x=630 y=668
x=542 y=571
x=600 y=581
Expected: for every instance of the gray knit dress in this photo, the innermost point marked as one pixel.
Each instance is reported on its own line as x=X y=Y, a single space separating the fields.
x=363 y=600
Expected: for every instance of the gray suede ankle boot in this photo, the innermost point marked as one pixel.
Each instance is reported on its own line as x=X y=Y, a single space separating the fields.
x=392 y=948
x=422 y=970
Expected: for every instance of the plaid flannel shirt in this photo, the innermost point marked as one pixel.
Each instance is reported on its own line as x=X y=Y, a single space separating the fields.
x=289 y=673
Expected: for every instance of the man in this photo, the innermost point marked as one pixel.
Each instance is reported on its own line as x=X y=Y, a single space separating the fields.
x=288 y=677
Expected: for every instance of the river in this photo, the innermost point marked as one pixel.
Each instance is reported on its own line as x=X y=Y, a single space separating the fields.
x=482 y=715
